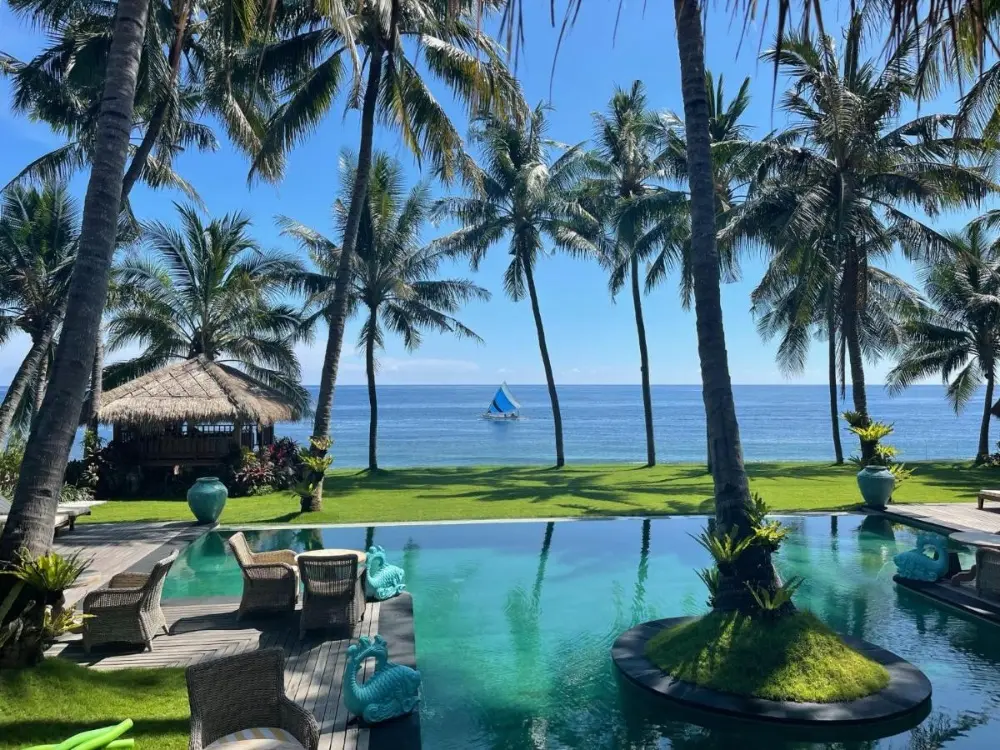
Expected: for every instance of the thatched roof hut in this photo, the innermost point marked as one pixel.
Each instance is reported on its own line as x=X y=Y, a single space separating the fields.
x=194 y=390
x=193 y=411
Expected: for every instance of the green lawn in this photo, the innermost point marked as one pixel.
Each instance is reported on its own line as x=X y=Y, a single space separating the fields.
x=57 y=699
x=432 y=494
x=798 y=658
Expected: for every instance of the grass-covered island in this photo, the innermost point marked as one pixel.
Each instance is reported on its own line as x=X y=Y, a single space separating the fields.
x=796 y=658
x=476 y=492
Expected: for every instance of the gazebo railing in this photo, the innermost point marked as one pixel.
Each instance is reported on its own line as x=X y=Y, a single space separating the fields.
x=194 y=444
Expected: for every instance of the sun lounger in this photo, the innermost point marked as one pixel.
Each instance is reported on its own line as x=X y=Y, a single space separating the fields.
x=66 y=515
x=985 y=495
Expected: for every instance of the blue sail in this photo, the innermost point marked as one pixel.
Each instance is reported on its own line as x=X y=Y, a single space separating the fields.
x=503 y=403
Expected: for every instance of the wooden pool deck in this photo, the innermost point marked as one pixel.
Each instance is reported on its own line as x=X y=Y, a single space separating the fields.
x=116 y=547
x=948 y=517
x=205 y=629
x=314 y=666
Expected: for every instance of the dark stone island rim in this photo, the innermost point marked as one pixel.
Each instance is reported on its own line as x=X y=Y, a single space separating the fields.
x=908 y=690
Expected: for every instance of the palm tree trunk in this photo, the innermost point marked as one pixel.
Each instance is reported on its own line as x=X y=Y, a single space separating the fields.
x=831 y=330
x=372 y=396
x=647 y=398
x=550 y=380
x=25 y=374
x=732 y=490
x=984 y=429
x=156 y=122
x=338 y=319
x=41 y=381
x=96 y=386
x=29 y=526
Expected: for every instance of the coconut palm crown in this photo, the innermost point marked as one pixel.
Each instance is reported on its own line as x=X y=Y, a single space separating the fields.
x=207 y=289
x=39 y=236
x=957 y=336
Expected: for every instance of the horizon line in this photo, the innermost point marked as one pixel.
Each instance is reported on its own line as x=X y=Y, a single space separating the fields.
x=592 y=385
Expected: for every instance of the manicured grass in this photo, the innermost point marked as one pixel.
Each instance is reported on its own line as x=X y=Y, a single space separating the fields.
x=796 y=658
x=55 y=700
x=432 y=494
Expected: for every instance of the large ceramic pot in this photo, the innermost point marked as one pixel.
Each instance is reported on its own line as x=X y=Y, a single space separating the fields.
x=206 y=498
x=876 y=484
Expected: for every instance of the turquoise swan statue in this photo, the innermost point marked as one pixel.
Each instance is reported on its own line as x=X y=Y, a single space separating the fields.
x=392 y=690
x=382 y=581
x=928 y=562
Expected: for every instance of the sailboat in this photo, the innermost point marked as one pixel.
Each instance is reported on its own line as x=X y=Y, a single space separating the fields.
x=503 y=405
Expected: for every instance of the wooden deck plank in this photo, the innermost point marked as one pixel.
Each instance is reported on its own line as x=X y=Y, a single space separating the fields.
x=949 y=516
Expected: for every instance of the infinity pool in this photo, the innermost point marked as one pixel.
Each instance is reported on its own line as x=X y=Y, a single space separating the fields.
x=515 y=621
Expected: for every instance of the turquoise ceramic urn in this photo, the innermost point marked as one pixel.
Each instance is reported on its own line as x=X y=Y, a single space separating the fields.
x=207 y=498
x=876 y=484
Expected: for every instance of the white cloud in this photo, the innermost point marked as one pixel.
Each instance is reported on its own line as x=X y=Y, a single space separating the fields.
x=425 y=364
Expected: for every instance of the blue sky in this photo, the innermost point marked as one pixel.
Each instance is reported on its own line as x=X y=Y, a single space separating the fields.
x=591 y=338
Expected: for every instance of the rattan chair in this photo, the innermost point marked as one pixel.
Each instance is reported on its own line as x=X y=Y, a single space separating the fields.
x=241 y=692
x=987 y=572
x=270 y=579
x=333 y=593
x=128 y=609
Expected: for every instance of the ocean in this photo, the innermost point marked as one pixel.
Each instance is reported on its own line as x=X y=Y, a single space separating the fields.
x=439 y=425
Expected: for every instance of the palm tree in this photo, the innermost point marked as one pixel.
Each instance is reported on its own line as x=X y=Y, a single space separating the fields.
x=29 y=525
x=856 y=168
x=402 y=44
x=193 y=62
x=800 y=296
x=642 y=216
x=393 y=274
x=522 y=195
x=39 y=232
x=959 y=337
x=735 y=159
x=207 y=290
x=732 y=489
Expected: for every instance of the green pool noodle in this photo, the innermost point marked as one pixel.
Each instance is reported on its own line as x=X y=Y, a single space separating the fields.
x=120 y=744
x=73 y=741
x=103 y=740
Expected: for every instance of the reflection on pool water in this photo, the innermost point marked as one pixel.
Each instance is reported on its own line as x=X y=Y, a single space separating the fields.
x=515 y=622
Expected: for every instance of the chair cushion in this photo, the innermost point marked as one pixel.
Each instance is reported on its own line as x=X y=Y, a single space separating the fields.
x=260 y=738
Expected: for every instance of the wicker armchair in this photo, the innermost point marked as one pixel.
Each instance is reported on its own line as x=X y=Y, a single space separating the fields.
x=333 y=592
x=128 y=609
x=270 y=579
x=245 y=691
x=987 y=572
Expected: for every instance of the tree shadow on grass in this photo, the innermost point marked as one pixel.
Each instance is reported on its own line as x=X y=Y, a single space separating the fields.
x=146 y=732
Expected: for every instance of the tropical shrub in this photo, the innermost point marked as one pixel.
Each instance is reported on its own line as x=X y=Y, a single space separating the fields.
x=764 y=539
x=772 y=603
x=314 y=464
x=104 y=471
x=32 y=614
x=870 y=435
x=272 y=468
x=710 y=577
x=10 y=465
x=723 y=548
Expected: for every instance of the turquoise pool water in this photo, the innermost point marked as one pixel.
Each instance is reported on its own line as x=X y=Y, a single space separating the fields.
x=514 y=625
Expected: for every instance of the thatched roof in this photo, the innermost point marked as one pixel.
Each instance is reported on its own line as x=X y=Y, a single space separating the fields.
x=195 y=390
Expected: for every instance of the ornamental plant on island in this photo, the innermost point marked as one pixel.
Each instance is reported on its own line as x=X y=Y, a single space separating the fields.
x=767 y=648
